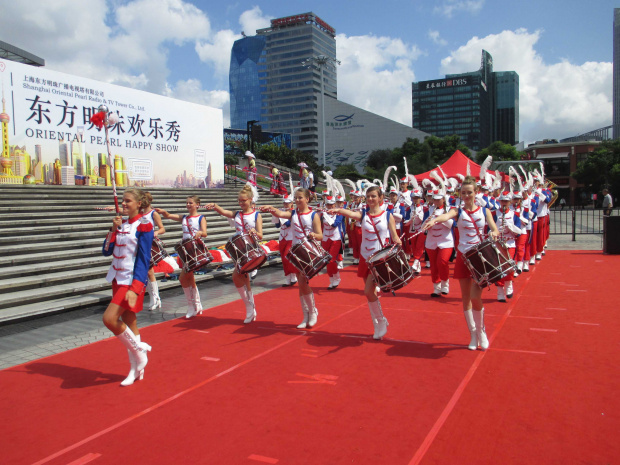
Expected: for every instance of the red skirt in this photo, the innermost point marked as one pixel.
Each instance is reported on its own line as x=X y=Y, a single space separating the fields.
x=118 y=297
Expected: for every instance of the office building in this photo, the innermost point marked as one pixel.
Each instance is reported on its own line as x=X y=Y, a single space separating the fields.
x=290 y=93
x=480 y=106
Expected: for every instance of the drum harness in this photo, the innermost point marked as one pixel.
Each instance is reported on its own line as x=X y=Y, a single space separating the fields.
x=374 y=226
x=481 y=237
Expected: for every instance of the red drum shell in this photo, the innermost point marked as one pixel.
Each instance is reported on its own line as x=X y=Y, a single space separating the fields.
x=193 y=254
x=390 y=268
x=489 y=262
x=158 y=251
x=246 y=252
x=308 y=257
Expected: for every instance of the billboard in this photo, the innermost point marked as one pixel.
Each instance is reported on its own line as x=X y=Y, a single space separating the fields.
x=443 y=83
x=158 y=141
x=235 y=140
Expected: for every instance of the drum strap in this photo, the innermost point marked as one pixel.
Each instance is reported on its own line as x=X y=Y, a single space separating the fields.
x=475 y=224
x=375 y=228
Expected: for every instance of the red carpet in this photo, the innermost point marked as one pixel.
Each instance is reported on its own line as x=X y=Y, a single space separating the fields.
x=220 y=392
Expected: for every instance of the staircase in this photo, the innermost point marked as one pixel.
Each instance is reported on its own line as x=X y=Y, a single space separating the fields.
x=51 y=238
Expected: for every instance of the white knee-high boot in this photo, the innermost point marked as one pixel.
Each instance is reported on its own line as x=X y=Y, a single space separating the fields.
x=313 y=313
x=471 y=325
x=480 y=330
x=378 y=320
x=153 y=290
x=191 y=307
x=137 y=355
x=248 y=300
x=304 y=309
x=197 y=301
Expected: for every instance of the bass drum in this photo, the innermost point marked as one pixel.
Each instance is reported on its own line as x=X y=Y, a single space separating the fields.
x=390 y=269
x=308 y=257
x=489 y=262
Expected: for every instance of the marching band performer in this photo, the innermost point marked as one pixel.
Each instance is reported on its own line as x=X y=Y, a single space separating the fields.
x=277 y=185
x=155 y=220
x=378 y=227
x=285 y=241
x=246 y=220
x=193 y=226
x=533 y=208
x=415 y=244
x=439 y=246
x=306 y=224
x=355 y=227
x=521 y=240
x=332 y=241
x=129 y=242
x=471 y=220
x=509 y=224
x=251 y=174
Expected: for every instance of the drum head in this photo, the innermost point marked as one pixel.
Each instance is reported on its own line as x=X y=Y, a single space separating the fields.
x=381 y=255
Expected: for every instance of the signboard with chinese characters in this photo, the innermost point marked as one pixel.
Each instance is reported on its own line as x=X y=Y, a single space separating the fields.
x=443 y=83
x=158 y=141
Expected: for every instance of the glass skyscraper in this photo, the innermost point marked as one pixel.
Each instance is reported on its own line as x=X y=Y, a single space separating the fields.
x=481 y=106
x=290 y=94
x=247 y=70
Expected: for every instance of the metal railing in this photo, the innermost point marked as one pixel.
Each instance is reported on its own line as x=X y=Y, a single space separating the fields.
x=582 y=221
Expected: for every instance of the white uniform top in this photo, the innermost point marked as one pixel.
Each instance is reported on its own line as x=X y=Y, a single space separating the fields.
x=286 y=231
x=370 y=241
x=525 y=222
x=194 y=223
x=330 y=232
x=543 y=208
x=468 y=236
x=149 y=216
x=507 y=229
x=416 y=218
x=405 y=197
x=301 y=225
x=440 y=235
x=125 y=252
x=526 y=204
x=243 y=222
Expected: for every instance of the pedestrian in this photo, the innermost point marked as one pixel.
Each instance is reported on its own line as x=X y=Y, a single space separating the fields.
x=562 y=203
x=608 y=203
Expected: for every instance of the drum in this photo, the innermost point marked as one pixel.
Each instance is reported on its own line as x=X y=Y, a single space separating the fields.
x=489 y=262
x=193 y=254
x=308 y=257
x=246 y=252
x=390 y=269
x=158 y=251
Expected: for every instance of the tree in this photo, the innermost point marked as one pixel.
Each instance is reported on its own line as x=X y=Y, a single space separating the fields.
x=601 y=169
x=347 y=172
x=282 y=155
x=499 y=151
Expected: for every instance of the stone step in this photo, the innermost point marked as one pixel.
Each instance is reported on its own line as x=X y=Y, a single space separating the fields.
x=58 y=251
x=27 y=304
x=18 y=271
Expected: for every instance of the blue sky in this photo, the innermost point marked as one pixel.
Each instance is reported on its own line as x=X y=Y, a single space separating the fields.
x=561 y=50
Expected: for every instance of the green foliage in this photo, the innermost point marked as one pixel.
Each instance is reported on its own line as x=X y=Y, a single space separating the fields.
x=421 y=156
x=347 y=172
x=601 y=169
x=499 y=151
x=282 y=155
x=231 y=160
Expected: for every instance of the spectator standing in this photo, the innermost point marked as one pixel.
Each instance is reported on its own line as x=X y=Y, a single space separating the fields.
x=608 y=203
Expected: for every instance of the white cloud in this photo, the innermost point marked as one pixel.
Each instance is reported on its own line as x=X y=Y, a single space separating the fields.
x=449 y=7
x=376 y=74
x=556 y=100
x=217 y=51
x=254 y=19
x=191 y=90
x=436 y=38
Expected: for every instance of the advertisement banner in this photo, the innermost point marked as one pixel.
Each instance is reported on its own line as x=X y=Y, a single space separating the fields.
x=47 y=136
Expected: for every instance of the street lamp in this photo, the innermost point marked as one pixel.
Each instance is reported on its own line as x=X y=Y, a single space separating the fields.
x=319 y=62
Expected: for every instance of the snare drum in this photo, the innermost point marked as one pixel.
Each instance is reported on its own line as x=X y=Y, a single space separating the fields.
x=489 y=262
x=193 y=254
x=158 y=251
x=246 y=252
x=390 y=269
x=308 y=257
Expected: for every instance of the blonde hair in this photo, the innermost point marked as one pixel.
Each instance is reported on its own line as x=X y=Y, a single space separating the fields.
x=195 y=198
x=149 y=198
x=140 y=197
x=247 y=191
x=304 y=191
x=469 y=180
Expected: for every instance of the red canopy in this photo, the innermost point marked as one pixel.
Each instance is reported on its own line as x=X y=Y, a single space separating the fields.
x=457 y=163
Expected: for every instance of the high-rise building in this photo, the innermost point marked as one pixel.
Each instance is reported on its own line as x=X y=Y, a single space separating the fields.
x=247 y=71
x=616 y=75
x=481 y=106
x=290 y=93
